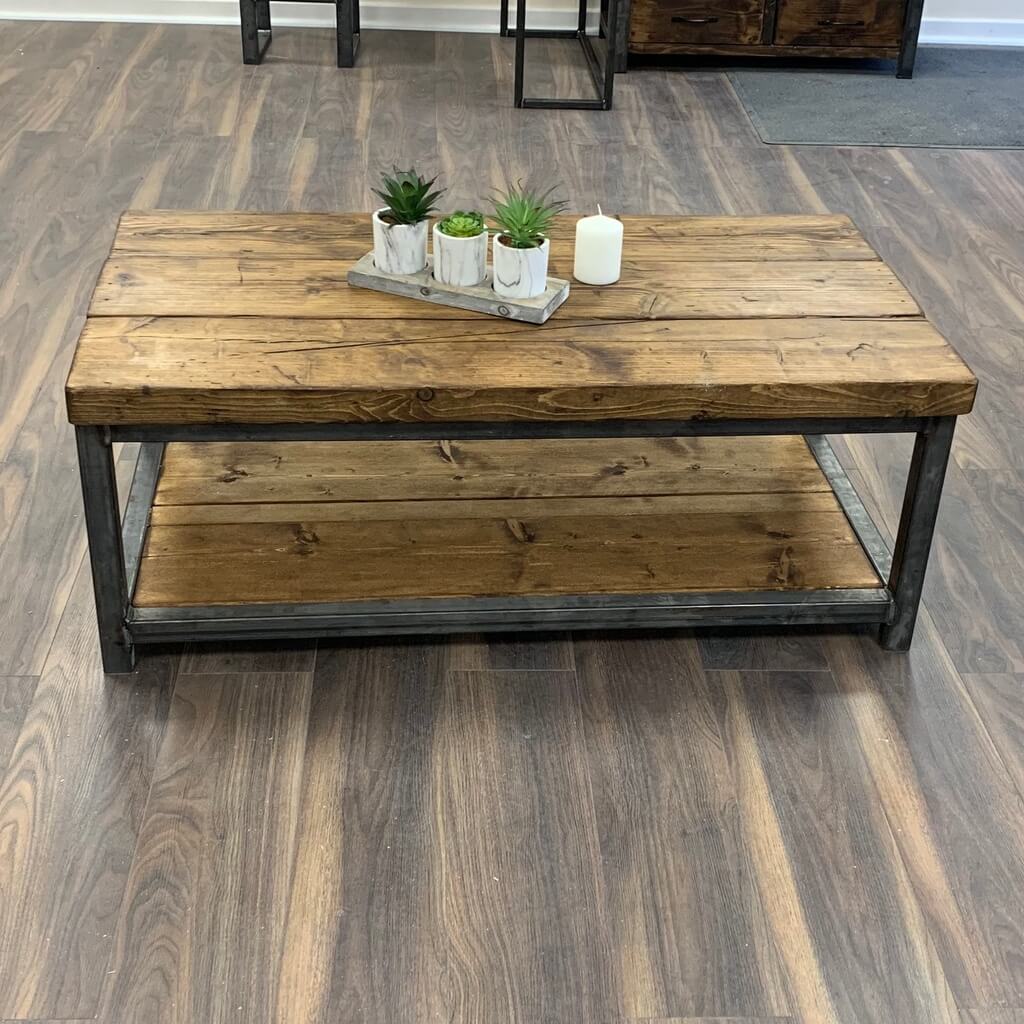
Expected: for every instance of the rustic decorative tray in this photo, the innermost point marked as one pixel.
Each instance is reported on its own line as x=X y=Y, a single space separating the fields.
x=480 y=298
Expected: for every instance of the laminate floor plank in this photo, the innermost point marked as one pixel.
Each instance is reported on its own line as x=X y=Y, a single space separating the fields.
x=512 y=652
x=997 y=1015
x=14 y=35
x=521 y=929
x=860 y=929
x=265 y=656
x=359 y=919
x=951 y=803
x=709 y=1020
x=39 y=1020
x=57 y=44
x=207 y=896
x=668 y=817
x=999 y=699
x=15 y=697
x=764 y=650
x=72 y=801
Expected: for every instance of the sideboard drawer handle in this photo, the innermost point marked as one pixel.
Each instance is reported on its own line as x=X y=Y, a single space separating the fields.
x=678 y=20
x=831 y=23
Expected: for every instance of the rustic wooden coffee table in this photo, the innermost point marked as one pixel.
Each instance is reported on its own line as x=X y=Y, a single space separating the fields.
x=319 y=460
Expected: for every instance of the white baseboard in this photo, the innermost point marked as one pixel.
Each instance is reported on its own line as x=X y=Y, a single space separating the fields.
x=444 y=17
x=457 y=16
x=973 y=31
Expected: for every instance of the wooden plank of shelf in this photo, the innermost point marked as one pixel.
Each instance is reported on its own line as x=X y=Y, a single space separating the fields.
x=718 y=530
x=262 y=370
x=345 y=471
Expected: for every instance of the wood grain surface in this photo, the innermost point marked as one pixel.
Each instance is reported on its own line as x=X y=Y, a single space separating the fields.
x=843 y=22
x=199 y=369
x=735 y=784
x=190 y=333
x=351 y=521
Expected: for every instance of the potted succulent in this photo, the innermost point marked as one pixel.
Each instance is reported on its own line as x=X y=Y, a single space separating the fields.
x=460 y=248
x=523 y=218
x=400 y=228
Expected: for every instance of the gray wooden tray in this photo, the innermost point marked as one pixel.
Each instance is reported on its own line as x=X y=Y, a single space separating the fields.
x=480 y=298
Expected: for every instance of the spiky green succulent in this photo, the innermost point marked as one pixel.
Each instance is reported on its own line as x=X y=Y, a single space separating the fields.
x=524 y=216
x=463 y=224
x=408 y=196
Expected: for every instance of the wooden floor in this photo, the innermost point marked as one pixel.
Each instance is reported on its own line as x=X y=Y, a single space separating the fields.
x=596 y=830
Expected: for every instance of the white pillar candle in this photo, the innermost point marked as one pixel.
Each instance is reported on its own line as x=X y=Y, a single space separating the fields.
x=598 y=249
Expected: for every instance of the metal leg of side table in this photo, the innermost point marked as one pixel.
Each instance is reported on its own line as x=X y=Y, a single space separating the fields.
x=255 y=19
x=917 y=526
x=106 y=549
x=908 y=44
x=602 y=75
x=348 y=32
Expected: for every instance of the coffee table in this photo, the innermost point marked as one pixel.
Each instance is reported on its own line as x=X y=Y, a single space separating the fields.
x=319 y=460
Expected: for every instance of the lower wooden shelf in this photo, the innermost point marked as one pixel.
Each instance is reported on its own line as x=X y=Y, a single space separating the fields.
x=251 y=523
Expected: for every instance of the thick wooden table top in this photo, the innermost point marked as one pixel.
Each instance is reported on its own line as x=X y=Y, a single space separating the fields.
x=247 y=318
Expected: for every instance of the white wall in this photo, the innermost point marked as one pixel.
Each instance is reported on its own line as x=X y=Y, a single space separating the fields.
x=1010 y=9
x=982 y=22
x=979 y=22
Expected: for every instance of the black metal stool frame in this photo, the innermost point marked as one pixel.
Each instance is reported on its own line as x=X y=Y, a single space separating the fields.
x=602 y=76
x=257 y=33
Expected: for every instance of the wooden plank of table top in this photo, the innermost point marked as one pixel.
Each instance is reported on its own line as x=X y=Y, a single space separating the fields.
x=197 y=369
x=348 y=236
x=346 y=471
x=600 y=553
x=221 y=286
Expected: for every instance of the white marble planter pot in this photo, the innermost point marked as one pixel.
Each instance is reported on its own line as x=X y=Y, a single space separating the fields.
x=399 y=248
x=459 y=261
x=520 y=273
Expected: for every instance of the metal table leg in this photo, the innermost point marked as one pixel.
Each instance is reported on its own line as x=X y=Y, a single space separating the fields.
x=115 y=551
x=255 y=19
x=106 y=551
x=908 y=44
x=917 y=526
x=348 y=32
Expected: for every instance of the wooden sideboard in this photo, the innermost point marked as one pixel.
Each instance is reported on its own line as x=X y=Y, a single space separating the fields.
x=773 y=28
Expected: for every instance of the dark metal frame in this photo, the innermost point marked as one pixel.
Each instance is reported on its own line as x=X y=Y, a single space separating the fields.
x=908 y=43
x=601 y=74
x=115 y=547
x=255 y=21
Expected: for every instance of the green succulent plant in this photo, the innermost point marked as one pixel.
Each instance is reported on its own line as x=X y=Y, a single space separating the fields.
x=524 y=217
x=463 y=224
x=408 y=196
